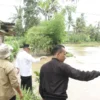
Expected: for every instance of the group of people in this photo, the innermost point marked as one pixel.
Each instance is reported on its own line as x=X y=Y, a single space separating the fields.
x=54 y=75
x=9 y=72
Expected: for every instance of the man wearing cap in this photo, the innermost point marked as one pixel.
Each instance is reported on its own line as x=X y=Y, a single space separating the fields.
x=24 y=63
x=8 y=77
x=54 y=76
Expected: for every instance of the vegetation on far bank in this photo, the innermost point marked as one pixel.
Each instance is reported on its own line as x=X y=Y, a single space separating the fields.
x=84 y=44
x=58 y=27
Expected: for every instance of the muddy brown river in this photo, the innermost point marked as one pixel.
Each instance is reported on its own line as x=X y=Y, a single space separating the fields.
x=85 y=58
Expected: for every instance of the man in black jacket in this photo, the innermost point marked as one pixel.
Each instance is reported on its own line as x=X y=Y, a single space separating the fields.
x=54 y=76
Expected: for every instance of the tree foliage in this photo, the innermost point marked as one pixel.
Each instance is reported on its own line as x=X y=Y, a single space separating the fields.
x=83 y=32
x=37 y=39
x=80 y=24
x=48 y=34
x=69 y=10
x=30 y=14
x=56 y=29
x=48 y=8
x=18 y=19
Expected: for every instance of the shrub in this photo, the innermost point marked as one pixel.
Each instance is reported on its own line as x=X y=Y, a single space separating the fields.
x=29 y=95
x=37 y=76
x=37 y=39
x=78 y=38
x=15 y=45
x=48 y=34
x=55 y=29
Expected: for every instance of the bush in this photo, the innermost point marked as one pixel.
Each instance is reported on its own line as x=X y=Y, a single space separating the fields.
x=15 y=45
x=78 y=38
x=97 y=37
x=37 y=39
x=48 y=34
x=37 y=76
x=56 y=29
x=29 y=95
x=10 y=39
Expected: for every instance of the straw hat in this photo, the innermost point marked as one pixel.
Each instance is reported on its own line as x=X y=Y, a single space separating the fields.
x=5 y=51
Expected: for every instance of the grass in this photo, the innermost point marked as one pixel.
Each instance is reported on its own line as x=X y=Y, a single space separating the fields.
x=29 y=96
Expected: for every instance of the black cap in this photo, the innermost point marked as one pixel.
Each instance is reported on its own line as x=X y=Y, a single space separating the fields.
x=25 y=46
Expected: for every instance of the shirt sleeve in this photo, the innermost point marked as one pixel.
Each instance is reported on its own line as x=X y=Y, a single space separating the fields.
x=13 y=78
x=32 y=59
x=79 y=75
x=12 y=74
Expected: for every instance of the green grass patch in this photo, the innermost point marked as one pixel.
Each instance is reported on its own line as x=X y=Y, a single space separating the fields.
x=29 y=95
x=84 y=44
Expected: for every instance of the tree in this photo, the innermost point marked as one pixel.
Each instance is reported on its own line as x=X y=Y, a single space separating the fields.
x=80 y=24
x=30 y=14
x=47 y=34
x=56 y=29
x=69 y=11
x=18 y=19
x=48 y=8
x=37 y=39
x=93 y=32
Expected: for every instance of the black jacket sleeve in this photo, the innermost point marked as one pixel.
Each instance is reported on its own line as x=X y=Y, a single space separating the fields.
x=79 y=75
x=40 y=85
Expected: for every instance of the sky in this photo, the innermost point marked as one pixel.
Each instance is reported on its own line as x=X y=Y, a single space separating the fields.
x=89 y=7
x=7 y=9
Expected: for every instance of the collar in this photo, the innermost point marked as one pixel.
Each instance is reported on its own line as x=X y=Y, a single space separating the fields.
x=55 y=59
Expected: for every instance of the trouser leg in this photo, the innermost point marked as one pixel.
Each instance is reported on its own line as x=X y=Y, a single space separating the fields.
x=26 y=82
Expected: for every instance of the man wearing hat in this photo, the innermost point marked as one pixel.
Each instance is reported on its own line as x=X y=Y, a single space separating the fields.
x=24 y=62
x=8 y=77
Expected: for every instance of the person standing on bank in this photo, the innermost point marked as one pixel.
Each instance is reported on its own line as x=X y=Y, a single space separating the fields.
x=54 y=76
x=24 y=62
x=8 y=76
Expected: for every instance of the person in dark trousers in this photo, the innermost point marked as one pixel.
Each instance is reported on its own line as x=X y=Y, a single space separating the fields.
x=54 y=76
x=24 y=61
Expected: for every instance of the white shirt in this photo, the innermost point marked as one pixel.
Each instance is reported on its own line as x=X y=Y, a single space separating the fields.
x=24 y=62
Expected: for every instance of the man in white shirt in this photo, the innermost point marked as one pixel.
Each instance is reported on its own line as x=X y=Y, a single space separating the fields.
x=24 y=63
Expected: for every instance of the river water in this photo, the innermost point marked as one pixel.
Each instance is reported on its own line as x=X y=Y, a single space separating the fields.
x=85 y=58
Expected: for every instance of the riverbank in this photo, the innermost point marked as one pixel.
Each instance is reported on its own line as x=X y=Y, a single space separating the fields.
x=84 y=44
